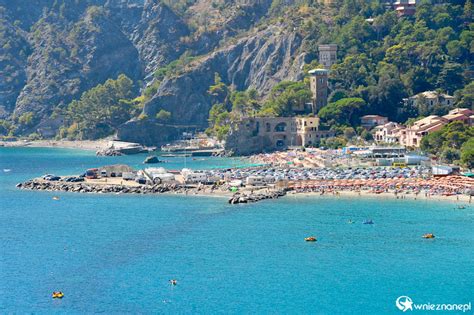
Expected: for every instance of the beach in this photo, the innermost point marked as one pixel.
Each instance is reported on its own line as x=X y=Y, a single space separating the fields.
x=90 y=145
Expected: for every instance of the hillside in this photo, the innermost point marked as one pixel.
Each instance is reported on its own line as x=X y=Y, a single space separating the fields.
x=172 y=50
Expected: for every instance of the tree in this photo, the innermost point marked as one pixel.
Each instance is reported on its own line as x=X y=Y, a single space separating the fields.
x=467 y=153
x=163 y=116
x=349 y=133
x=101 y=109
x=344 y=112
x=26 y=119
x=285 y=98
x=465 y=96
x=450 y=78
x=450 y=142
x=449 y=155
x=219 y=91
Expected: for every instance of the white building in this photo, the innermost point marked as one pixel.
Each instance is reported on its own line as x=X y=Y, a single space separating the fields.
x=430 y=99
x=388 y=133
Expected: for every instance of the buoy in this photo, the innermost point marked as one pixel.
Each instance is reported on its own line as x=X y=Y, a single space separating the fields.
x=58 y=295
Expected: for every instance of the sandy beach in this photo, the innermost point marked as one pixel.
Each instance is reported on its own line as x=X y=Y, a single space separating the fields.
x=93 y=145
x=461 y=199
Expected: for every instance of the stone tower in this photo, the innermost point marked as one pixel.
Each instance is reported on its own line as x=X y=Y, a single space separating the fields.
x=327 y=55
x=319 y=88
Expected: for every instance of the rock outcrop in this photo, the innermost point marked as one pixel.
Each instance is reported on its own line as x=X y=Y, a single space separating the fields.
x=69 y=58
x=257 y=61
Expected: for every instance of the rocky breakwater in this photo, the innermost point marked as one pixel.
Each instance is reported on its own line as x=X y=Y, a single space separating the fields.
x=84 y=187
x=255 y=197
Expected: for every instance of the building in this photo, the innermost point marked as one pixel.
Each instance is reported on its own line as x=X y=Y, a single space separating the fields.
x=460 y=114
x=388 y=133
x=430 y=99
x=327 y=2
x=412 y=135
x=114 y=170
x=405 y=7
x=327 y=55
x=319 y=88
x=265 y=134
x=370 y=121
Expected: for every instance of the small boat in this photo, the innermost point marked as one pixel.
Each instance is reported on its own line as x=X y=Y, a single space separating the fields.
x=310 y=239
x=368 y=222
x=428 y=235
x=55 y=198
x=58 y=295
x=6 y=170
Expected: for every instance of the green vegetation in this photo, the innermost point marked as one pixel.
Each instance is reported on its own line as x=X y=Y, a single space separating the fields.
x=452 y=143
x=229 y=106
x=342 y=113
x=391 y=58
x=26 y=119
x=285 y=97
x=467 y=153
x=100 y=110
x=163 y=116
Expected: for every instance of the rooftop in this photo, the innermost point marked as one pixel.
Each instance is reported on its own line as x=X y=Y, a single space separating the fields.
x=319 y=71
x=432 y=94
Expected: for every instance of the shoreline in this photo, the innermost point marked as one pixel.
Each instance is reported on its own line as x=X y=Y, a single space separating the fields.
x=243 y=196
x=87 y=145
x=367 y=194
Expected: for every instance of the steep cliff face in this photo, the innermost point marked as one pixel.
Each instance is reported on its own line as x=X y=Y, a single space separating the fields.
x=257 y=61
x=159 y=36
x=68 y=58
x=14 y=50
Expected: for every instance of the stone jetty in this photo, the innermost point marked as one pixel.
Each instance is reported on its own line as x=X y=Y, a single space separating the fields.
x=84 y=187
x=87 y=187
x=108 y=152
x=255 y=197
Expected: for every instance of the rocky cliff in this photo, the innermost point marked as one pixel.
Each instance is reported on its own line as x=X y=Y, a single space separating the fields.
x=60 y=49
x=258 y=61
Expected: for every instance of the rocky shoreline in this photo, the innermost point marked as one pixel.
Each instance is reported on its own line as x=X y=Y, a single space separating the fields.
x=84 y=187
x=255 y=197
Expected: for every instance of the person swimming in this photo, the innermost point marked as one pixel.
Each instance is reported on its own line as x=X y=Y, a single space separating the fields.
x=173 y=282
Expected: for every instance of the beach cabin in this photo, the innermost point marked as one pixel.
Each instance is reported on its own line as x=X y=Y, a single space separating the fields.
x=444 y=170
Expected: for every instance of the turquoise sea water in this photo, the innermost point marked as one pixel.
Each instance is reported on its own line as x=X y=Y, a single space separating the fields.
x=116 y=253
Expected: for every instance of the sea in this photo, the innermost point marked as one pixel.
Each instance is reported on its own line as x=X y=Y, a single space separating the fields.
x=115 y=254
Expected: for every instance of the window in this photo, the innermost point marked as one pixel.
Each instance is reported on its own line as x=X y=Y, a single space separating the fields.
x=281 y=127
x=268 y=127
